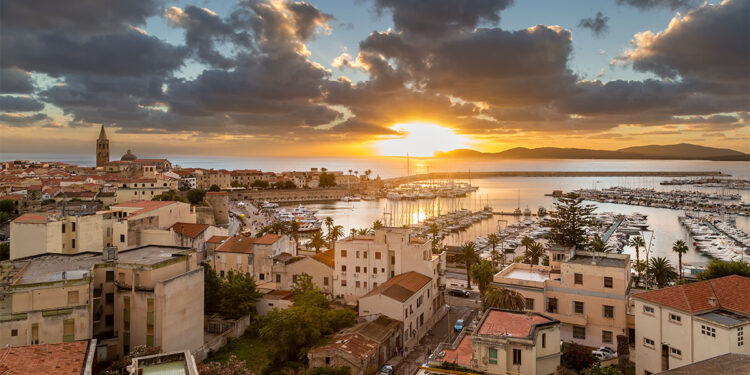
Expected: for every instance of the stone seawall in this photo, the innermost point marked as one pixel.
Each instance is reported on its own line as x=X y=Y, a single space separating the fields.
x=290 y=195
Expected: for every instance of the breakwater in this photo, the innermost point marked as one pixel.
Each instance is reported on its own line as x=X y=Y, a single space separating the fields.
x=468 y=175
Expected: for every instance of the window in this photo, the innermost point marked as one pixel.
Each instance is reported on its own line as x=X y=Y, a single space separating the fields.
x=708 y=331
x=364 y=254
x=374 y=285
x=343 y=282
x=609 y=311
x=607 y=337
x=578 y=307
x=150 y=322
x=648 y=342
x=674 y=318
x=544 y=340
x=63 y=228
x=109 y=320
x=493 y=356
x=578 y=278
x=740 y=336
x=294 y=278
x=14 y=332
x=516 y=356
x=221 y=273
x=356 y=269
x=364 y=284
x=73 y=243
x=374 y=270
x=377 y=255
x=325 y=281
x=73 y=297
x=393 y=259
x=552 y=305
x=73 y=227
x=278 y=278
x=109 y=276
x=579 y=332
x=343 y=253
x=34 y=334
x=343 y=268
x=328 y=360
x=675 y=352
x=419 y=301
x=529 y=304
x=607 y=282
x=648 y=310
x=122 y=238
x=69 y=330
x=558 y=257
x=356 y=254
x=406 y=313
x=262 y=276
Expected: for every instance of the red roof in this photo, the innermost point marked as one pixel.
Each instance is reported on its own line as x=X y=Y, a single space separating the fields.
x=353 y=344
x=462 y=354
x=63 y=358
x=31 y=219
x=189 y=229
x=144 y=206
x=402 y=286
x=730 y=293
x=326 y=257
x=508 y=323
x=237 y=244
x=267 y=239
x=217 y=239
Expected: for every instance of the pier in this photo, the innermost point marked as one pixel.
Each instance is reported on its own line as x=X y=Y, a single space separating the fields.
x=612 y=229
x=467 y=175
x=719 y=231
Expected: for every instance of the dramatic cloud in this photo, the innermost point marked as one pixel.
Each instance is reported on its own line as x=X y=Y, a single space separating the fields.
x=15 y=81
x=20 y=104
x=597 y=24
x=19 y=120
x=670 y=4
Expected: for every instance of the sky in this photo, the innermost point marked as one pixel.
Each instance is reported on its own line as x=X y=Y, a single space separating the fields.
x=371 y=77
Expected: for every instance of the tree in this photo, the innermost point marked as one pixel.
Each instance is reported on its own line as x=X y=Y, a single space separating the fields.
x=278 y=227
x=569 y=221
x=719 y=268
x=526 y=241
x=334 y=234
x=502 y=298
x=232 y=366
x=680 y=248
x=214 y=188
x=377 y=224
x=170 y=195
x=239 y=295
x=237 y=184
x=303 y=284
x=493 y=240
x=325 y=370
x=261 y=184
x=598 y=245
x=534 y=252
x=195 y=196
x=596 y=369
x=353 y=232
x=328 y=221
x=435 y=237
x=467 y=254
x=637 y=242
x=212 y=290
x=4 y=251
x=289 y=184
x=293 y=228
x=576 y=357
x=317 y=241
x=661 y=272
x=8 y=206
x=482 y=273
x=326 y=180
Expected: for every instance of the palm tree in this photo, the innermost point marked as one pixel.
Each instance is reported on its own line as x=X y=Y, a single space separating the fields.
x=329 y=223
x=680 y=248
x=468 y=255
x=482 y=273
x=367 y=174
x=435 y=232
x=637 y=242
x=278 y=227
x=336 y=232
x=377 y=224
x=534 y=251
x=294 y=230
x=661 y=272
x=317 y=241
x=363 y=231
x=599 y=245
x=526 y=241
x=502 y=298
x=353 y=232
x=493 y=240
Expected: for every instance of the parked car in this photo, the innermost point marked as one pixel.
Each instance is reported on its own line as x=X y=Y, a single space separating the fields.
x=386 y=370
x=459 y=325
x=459 y=293
x=604 y=353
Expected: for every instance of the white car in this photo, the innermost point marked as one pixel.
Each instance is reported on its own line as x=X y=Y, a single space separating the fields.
x=604 y=353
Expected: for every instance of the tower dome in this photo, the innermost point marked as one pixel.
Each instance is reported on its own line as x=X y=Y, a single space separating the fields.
x=128 y=157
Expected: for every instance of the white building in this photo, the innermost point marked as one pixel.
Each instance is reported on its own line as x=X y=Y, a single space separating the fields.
x=689 y=323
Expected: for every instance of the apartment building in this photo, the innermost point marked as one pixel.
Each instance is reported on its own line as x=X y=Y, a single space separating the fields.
x=364 y=262
x=505 y=342
x=319 y=267
x=205 y=178
x=689 y=323
x=151 y=295
x=41 y=233
x=142 y=188
x=410 y=297
x=587 y=292
x=251 y=255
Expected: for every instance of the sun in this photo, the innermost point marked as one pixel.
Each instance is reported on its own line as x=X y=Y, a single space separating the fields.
x=421 y=139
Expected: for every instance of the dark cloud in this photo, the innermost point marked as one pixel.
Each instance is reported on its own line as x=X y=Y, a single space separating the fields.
x=18 y=120
x=433 y=18
x=597 y=24
x=15 y=81
x=651 y=4
x=20 y=104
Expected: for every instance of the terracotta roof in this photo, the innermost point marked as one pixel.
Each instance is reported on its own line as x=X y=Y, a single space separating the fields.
x=145 y=206
x=401 y=287
x=730 y=293
x=725 y=364
x=237 y=244
x=189 y=229
x=278 y=294
x=267 y=239
x=326 y=257
x=217 y=239
x=462 y=354
x=353 y=344
x=63 y=358
x=31 y=219
x=514 y=324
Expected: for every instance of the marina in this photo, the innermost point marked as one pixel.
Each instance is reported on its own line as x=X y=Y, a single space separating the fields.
x=716 y=237
x=675 y=199
x=726 y=183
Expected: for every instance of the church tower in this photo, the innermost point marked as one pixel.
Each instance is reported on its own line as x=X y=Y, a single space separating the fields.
x=102 y=149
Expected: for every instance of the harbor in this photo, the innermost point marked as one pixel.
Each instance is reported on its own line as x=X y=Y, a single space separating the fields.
x=716 y=237
x=675 y=199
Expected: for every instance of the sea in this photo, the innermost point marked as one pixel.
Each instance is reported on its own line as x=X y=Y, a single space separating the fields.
x=501 y=193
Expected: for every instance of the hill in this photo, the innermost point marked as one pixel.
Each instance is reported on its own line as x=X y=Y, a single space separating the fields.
x=679 y=151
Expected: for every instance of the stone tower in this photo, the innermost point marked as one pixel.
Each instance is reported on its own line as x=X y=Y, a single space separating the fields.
x=102 y=149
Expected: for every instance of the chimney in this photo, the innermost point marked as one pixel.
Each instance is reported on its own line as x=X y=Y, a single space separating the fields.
x=109 y=254
x=63 y=275
x=712 y=301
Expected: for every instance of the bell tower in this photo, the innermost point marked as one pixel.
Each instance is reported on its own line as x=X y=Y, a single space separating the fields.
x=102 y=149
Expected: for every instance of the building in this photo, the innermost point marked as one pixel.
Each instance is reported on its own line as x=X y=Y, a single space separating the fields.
x=274 y=299
x=252 y=256
x=143 y=222
x=351 y=350
x=689 y=323
x=41 y=233
x=505 y=342
x=71 y=358
x=151 y=295
x=364 y=262
x=102 y=149
x=142 y=188
x=587 y=292
x=128 y=164
x=219 y=202
x=319 y=267
x=181 y=362
x=411 y=298
x=725 y=364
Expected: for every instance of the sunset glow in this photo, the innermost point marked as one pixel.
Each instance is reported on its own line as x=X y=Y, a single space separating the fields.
x=421 y=139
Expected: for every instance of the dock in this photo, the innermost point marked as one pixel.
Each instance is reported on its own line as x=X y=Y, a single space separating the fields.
x=719 y=231
x=612 y=229
x=468 y=175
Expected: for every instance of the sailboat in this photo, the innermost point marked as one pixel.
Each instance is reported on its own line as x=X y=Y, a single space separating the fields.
x=517 y=211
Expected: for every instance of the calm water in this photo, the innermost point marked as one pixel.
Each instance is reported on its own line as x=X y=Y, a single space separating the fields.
x=501 y=193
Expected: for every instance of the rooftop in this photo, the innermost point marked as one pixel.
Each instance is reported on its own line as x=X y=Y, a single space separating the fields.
x=602 y=259
x=64 y=358
x=725 y=364
x=729 y=293
x=189 y=229
x=143 y=206
x=510 y=323
x=351 y=343
x=326 y=257
x=537 y=274
x=724 y=317
x=402 y=286
x=378 y=330
x=461 y=354
x=267 y=239
x=278 y=294
x=217 y=239
x=237 y=244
